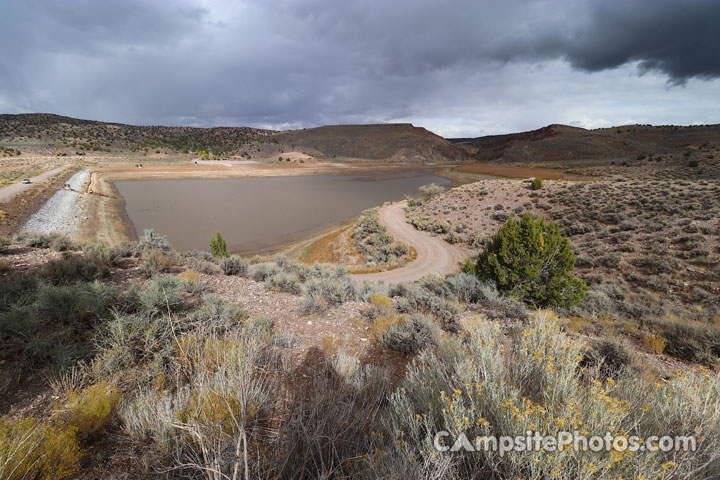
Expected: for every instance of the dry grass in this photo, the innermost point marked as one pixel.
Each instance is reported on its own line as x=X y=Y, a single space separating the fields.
x=335 y=247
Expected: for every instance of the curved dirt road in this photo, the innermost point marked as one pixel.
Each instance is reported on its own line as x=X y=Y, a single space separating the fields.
x=434 y=254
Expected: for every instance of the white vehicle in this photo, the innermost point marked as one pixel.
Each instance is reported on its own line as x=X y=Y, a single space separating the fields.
x=26 y=181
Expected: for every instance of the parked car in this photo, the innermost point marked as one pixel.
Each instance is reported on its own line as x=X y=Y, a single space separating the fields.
x=26 y=181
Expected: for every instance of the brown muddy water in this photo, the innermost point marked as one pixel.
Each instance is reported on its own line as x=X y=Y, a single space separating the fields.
x=259 y=214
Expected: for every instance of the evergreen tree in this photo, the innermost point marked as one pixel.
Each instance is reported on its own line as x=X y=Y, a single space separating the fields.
x=532 y=261
x=218 y=247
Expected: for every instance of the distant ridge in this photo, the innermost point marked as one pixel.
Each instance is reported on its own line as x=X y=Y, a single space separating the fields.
x=563 y=142
x=394 y=143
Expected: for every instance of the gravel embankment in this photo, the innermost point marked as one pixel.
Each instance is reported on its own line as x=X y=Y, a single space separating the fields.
x=61 y=212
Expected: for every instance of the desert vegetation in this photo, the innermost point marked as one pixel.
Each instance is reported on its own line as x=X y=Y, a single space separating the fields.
x=588 y=306
x=375 y=243
x=178 y=381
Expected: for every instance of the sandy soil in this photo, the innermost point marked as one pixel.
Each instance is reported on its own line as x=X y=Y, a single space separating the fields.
x=8 y=192
x=434 y=254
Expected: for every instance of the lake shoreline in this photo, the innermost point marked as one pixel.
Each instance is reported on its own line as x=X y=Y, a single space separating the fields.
x=106 y=217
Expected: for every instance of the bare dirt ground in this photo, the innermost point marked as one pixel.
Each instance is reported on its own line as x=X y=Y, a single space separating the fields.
x=434 y=254
x=10 y=191
x=518 y=172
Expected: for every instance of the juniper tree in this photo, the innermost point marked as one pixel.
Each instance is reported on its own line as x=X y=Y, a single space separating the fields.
x=532 y=261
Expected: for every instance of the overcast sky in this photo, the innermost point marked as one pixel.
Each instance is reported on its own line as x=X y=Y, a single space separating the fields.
x=457 y=67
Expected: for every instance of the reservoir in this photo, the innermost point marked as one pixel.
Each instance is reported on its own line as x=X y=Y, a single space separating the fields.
x=258 y=214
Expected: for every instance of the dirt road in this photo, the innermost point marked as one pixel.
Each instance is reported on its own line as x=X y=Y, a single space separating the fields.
x=8 y=192
x=434 y=254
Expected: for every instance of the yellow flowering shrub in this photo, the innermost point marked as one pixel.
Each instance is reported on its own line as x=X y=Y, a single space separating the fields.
x=532 y=380
x=33 y=449
x=92 y=409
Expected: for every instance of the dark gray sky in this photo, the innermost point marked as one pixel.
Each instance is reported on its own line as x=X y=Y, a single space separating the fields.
x=457 y=67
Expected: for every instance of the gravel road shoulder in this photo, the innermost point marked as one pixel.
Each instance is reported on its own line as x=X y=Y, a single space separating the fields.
x=61 y=212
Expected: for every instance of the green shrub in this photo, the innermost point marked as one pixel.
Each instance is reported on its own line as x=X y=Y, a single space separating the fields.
x=234 y=265
x=374 y=241
x=52 y=324
x=73 y=268
x=411 y=335
x=102 y=253
x=465 y=287
x=128 y=339
x=216 y=314
x=261 y=271
x=693 y=163
x=323 y=292
x=536 y=183
x=284 y=282
x=35 y=240
x=163 y=294
x=532 y=261
x=218 y=247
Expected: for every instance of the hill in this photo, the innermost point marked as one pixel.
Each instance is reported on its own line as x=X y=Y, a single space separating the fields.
x=55 y=134
x=399 y=142
x=559 y=143
x=58 y=132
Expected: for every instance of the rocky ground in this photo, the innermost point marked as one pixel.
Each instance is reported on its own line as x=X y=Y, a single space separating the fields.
x=62 y=211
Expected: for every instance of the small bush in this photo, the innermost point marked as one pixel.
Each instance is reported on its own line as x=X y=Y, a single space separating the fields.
x=35 y=240
x=430 y=191
x=284 y=282
x=693 y=341
x=92 y=409
x=163 y=294
x=30 y=449
x=217 y=314
x=411 y=335
x=152 y=239
x=333 y=290
x=655 y=343
x=218 y=246
x=464 y=287
x=261 y=271
x=155 y=262
x=610 y=358
x=380 y=305
x=532 y=261
x=73 y=268
x=62 y=244
x=536 y=183
x=234 y=265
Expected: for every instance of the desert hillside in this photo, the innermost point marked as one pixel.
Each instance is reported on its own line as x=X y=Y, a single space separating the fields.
x=400 y=142
x=49 y=134
x=562 y=143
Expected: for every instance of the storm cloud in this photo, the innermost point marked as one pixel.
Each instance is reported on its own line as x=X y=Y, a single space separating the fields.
x=464 y=67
